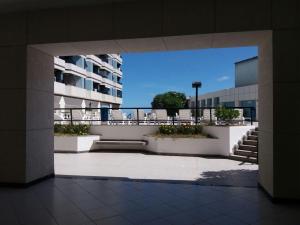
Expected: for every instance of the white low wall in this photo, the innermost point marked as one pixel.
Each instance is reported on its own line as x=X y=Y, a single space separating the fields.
x=75 y=144
x=131 y=132
x=223 y=143
x=228 y=136
x=184 y=146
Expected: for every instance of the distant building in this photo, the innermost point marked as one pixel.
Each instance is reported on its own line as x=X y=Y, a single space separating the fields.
x=85 y=81
x=244 y=94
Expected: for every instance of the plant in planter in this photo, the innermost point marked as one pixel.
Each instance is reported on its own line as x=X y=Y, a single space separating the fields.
x=180 y=129
x=71 y=129
x=226 y=115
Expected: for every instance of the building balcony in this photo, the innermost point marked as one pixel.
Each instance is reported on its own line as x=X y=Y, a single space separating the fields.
x=77 y=92
x=76 y=70
x=117 y=57
x=101 y=63
x=119 y=72
x=104 y=80
x=59 y=63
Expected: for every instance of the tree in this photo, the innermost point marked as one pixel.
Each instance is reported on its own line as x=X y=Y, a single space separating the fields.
x=226 y=115
x=169 y=100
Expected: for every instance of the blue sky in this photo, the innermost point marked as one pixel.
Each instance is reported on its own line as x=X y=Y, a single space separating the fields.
x=148 y=74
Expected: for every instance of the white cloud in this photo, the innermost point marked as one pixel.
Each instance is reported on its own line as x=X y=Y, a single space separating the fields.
x=223 y=78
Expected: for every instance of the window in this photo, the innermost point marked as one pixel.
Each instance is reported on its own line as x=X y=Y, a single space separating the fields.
x=247 y=112
x=58 y=76
x=119 y=80
x=193 y=104
x=88 y=66
x=203 y=104
x=119 y=93
x=228 y=104
x=88 y=84
x=209 y=102
x=216 y=101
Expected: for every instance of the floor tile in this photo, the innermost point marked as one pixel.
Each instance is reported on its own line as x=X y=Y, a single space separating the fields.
x=73 y=219
x=117 y=220
x=140 y=203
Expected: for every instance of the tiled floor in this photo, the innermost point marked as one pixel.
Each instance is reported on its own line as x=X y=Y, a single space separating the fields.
x=205 y=171
x=63 y=201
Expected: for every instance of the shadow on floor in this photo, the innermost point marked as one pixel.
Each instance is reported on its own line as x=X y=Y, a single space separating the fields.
x=240 y=178
x=234 y=178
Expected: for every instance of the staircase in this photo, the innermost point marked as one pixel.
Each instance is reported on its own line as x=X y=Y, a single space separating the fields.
x=247 y=150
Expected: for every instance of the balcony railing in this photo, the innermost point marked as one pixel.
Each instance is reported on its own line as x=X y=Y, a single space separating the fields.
x=147 y=116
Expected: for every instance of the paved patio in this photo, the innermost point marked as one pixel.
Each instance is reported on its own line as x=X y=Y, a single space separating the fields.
x=138 y=166
x=62 y=201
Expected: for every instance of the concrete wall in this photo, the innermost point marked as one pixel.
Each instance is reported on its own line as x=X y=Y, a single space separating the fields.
x=123 y=132
x=75 y=144
x=286 y=123
x=222 y=144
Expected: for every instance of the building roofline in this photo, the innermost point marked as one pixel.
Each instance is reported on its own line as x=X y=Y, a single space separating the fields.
x=245 y=60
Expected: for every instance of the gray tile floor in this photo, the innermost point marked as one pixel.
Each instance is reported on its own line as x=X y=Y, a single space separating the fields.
x=78 y=201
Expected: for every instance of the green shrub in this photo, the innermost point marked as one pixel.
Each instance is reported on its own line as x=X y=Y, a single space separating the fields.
x=166 y=129
x=226 y=115
x=78 y=129
x=180 y=129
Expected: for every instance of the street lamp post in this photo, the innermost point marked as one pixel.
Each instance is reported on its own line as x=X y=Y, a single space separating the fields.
x=196 y=85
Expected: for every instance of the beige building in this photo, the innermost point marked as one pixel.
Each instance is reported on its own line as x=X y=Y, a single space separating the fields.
x=244 y=94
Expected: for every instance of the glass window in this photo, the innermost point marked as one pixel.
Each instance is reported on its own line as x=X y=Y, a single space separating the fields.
x=203 y=103
x=209 y=102
x=119 y=93
x=88 y=66
x=59 y=76
x=228 y=104
x=247 y=112
x=88 y=84
x=216 y=101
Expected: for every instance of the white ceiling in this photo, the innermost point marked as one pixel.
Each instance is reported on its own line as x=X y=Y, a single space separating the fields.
x=171 y=43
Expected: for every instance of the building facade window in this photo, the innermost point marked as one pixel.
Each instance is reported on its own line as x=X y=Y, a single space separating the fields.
x=228 y=104
x=247 y=112
x=209 y=102
x=88 y=84
x=119 y=93
x=216 y=101
x=58 y=76
x=88 y=66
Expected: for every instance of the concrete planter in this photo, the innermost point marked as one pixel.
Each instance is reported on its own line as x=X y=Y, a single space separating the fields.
x=183 y=146
x=75 y=144
x=226 y=137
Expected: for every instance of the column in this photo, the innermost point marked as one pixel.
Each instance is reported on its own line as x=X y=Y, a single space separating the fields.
x=26 y=115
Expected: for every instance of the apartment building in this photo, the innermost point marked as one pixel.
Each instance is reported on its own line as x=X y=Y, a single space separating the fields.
x=88 y=81
x=244 y=94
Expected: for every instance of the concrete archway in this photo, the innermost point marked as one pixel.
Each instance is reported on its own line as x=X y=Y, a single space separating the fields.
x=33 y=33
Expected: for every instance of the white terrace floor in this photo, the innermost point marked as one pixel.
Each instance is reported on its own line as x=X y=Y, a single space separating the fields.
x=138 y=166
